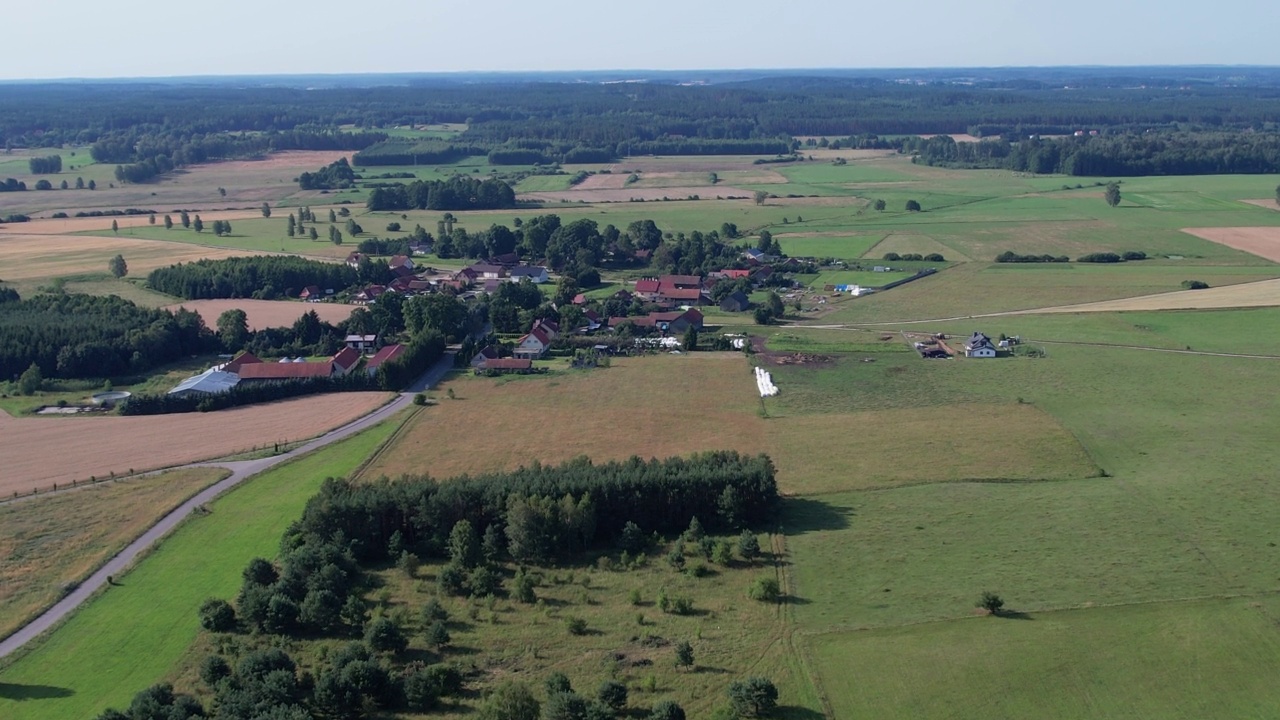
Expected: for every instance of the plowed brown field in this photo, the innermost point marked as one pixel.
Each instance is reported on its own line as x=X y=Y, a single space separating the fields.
x=1261 y=241
x=38 y=452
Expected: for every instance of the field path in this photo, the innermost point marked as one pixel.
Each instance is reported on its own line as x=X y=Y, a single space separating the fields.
x=240 y=471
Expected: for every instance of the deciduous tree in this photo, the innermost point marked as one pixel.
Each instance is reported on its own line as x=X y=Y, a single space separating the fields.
x=118 y=267
x=1112 y=194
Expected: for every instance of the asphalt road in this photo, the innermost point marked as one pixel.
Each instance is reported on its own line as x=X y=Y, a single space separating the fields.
x=240 y=471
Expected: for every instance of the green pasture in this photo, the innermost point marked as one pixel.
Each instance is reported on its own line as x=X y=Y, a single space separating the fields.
x=864 y=278
x=544 y=183
x=846 y=247
x=1183 y=661
x=133 y=635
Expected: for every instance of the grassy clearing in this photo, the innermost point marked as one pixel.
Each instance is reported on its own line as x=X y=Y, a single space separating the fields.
x=133 y=635
x=864 y=278
x=1184 y=661
x=819 y=454
x=847 y=248
x=668 y=405
x=134 y=291
x=50 y=541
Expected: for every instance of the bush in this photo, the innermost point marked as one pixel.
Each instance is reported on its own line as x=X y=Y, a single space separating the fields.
x=892 y=257
x=421 y=692
x=393 y=227
x=991 y=602
x=765 y=590
x=510 y=701
x=452 y=580
x=913 y=206
x=612 y=694
x=748 y=546
x=575 y=625
x=632 y=539
x=217 y=616
x=684 y=654
x=213 y=669
x=667 y=710
x=935 y=257
x=1194 y=285
x=564 y=706
x=1102 y=257
x=437 y=635
x=557 y=682
x=1134 y=255
x=753 y=697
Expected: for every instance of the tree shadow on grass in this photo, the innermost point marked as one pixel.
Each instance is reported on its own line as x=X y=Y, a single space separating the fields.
x=804 y=515
x=1014 y=615
x=11 y=691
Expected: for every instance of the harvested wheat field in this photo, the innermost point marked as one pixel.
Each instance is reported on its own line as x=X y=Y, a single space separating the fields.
x=1261 y=241
x=654 y=406
x=39 y=452
x=40 y=257
x=1264 y=293
x=266 y=313
x=1268 y=203
x=50 y=540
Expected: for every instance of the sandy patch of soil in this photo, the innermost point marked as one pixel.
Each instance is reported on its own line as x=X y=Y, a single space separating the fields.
x=1268 y=203
x=38 y=452
x=266 y=313
x=1261 y=241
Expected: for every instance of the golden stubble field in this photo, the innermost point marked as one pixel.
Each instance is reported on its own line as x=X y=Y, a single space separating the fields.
x=39 y=452
x=265 y=313
x=27 y=258
x=1261 y=241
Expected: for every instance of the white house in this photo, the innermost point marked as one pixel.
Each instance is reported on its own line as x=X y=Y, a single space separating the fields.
x=979 y=346
x=536 y=273
x=534 y=345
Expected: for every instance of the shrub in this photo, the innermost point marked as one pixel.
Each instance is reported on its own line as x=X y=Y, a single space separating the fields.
x=217 y=616
x=1134 y=255
x=1194 y=285
x=892 y=257
x=748 y=545
x=634 y=596
x=765 y=590
x=484 y=581
x=991 y=602
x=723 y=553
x=753 y=697
x=913 y=206
x=452 y=580
x=935 y=257
x=393 y=227
x=384 y=635
x=681 y=605
x=684 y=654
x=557 y=682
x=421 y=691
x=1102 y=257
x=575 y=625
x=564 y=706
x=632 y=539
x=510 y=701
x=213 y=669
x=438 y=635
x=523 y=588
x=433 y=611
x=667 y=710
x=612 y=694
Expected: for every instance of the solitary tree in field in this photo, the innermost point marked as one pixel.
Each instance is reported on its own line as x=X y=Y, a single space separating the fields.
x=684 y=654
x=93 y=185
x=1112 y=194
x=333 y=217
x=197 y=224
x=266 y=210
x=913 y=206
x=761 y=196
x=30 y=381
x=79 y=183
x=753 y=697
x=118 y=267
x=293 y=225
x=185 y=219
x=63 y=185
x=311 y=233
x=151 y=219
x=115 y=226
x=991 y=602
x=168 y=223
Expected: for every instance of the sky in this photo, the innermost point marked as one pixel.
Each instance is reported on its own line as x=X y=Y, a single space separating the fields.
x=162 y=38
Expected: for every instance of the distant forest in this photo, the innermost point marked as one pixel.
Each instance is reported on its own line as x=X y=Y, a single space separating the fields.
x=150 y=129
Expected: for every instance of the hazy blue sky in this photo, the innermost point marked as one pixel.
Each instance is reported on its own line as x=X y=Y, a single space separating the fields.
x=92 y=38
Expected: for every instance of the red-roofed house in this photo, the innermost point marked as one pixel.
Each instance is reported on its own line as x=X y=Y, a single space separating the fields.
x=345 y=361
x=369 y=294
x=402 y=261
x=648 y=288
x=311 y=293
x=386 y=354
x=534 y=345
x=489 y=352
x=683 y=282
x=285 y=371
x=353 y=260
x=466 y=275
x=580 y=299
x=679 y=295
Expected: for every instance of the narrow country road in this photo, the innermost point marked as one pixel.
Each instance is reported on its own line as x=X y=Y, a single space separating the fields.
x=240 y=471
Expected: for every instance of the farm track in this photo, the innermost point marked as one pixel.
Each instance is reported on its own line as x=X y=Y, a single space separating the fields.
x=240 y=471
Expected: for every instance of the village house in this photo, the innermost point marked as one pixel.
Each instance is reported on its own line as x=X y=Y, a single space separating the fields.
x=402 y=261
x=355 y=258
x=311 y=293
x=674 y=322
x=506 y=259
x=534 y=345
x=485 y=271
x=737 y=301
x=979 y=346
x=466 y=276
x=385 y=355
x=362 y=343
x=345 y=361
x=488 y=352
x=369 y=294
x=535 y=273
x=505 y=366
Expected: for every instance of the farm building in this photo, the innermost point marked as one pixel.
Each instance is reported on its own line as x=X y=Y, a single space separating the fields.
x=386 y=354
x=979 y=346
x=239 y=361
x=505 y=366
x=209 y=382
x=263 y=372
x=737 y=301
x=489 y=352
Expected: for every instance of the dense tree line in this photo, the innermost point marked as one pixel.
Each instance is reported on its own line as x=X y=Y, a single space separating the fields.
x=12 y=185
x=266 y=277
x=50 y=165
x=70 y=336
x=1121 y=155
x=334 y=176
x=459 y=192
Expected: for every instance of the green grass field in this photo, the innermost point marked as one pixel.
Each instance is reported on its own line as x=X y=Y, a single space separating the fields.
x=133 y=635
x=1182 y=661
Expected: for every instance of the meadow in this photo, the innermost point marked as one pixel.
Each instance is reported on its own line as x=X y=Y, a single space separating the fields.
x=135 y=634
x=50 y=541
